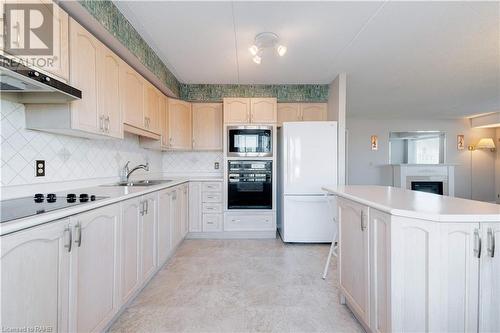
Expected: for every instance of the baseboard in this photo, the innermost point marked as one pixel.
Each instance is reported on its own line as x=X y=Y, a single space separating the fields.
x=233 y=235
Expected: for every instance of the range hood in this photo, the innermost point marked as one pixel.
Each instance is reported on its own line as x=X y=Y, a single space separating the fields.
x=31 y=86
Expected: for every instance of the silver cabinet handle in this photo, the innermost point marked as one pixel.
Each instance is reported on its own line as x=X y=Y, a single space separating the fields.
x=491 y=243
x=363 y=226
x=69 y=243
x=141 y=211
x=107 y=123
x=147 y=206
x=101 y=119
x=477 y=244
x=78 y=232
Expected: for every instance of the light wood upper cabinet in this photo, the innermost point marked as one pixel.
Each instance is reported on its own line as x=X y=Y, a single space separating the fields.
x=152 y=108
x=109 y=93
x=84 y=52
x=263 y=110
x=132 y=101
x=288 y=112
x=313 y=111
x=236 y=110
x=207 y=126
x=179 y=124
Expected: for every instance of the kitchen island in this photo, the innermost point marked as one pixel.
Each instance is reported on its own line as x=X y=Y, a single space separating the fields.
x=415 y=261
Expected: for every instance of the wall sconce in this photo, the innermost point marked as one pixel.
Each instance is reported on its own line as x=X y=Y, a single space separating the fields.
x=484 y=143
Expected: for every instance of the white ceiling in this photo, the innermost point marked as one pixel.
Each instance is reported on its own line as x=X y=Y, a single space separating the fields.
x=411 y=59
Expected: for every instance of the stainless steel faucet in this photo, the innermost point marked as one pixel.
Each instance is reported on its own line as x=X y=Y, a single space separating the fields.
x=128 y=172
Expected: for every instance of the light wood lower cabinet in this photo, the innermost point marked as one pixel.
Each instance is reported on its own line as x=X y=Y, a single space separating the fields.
x=207 y=126
x=402 y=274
x=148 y=235
x=130 y=250
x=354 y=251
x=35 y=277
x=489 y=286
x=205 y=206
x=94 y=269
x=165 y=219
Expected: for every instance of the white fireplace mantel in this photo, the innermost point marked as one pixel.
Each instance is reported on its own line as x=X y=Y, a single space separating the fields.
x=404 y=174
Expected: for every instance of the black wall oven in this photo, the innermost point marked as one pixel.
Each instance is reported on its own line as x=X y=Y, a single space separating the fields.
x=250 y=185
x=249 y=141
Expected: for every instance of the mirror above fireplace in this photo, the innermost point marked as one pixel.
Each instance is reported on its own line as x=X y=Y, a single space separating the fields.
x=417 y=147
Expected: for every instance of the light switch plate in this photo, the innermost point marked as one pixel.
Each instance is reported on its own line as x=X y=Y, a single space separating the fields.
x=216 y=165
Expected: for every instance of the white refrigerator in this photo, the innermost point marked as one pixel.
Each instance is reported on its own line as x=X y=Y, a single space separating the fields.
x=307 y=159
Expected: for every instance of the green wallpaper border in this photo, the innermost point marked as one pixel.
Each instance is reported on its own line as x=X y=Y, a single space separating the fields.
x=283 y=92
x=115 y=23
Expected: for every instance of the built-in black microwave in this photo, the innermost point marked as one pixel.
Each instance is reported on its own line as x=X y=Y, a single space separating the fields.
x=249 y=141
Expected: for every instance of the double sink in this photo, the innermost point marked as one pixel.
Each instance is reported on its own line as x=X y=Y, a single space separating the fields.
x=149 y=182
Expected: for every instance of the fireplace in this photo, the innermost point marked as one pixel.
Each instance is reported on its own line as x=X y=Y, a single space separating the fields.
x=427 y=186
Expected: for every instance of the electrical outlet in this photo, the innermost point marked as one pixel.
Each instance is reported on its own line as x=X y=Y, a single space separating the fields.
x=40 y=168
x=216 y=165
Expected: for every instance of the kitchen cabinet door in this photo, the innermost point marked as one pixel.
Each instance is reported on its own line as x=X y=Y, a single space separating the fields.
x=184 y=206
x=164 y=121
x=179 y=124
x=148 y=236
x=132 y=92
x=415 y=275
x=380 y=263
x=195 y=206
x=152 y=109
x=109 y=93
x=263 y=110
x=236 y=110
x=313 y=111
x=94 y=269
x=288 y=112
x=35 y=277
x=130 y=254
x=489 y=293
x=460 y=277
x=207 y=126
x=84 y=53
x=164 y=226
x=176 y=217
x=354 y=256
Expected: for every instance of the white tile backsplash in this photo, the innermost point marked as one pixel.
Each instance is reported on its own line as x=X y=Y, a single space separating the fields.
x=75 y=160
x=192 y=162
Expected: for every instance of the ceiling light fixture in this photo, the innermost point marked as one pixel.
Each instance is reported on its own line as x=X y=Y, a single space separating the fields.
x=266 y=40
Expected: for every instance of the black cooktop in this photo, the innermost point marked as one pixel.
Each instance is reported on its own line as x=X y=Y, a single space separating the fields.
x=14 y=209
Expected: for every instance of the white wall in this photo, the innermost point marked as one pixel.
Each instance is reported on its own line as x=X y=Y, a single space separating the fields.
x=371 y=167
x=337 y=107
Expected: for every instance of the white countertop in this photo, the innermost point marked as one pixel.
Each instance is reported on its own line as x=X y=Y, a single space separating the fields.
x=420 y=205
x=113 y=194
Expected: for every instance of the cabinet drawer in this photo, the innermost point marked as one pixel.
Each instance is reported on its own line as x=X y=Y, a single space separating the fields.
x=212 y=222
x=211 y=197
x=209 y=207
x=211 y=186
x=249 y=222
